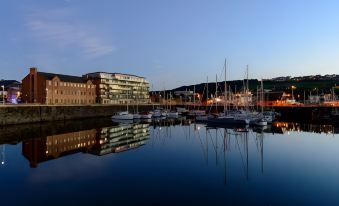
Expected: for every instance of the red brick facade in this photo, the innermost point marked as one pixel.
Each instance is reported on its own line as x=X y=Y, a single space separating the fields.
x=46 y=88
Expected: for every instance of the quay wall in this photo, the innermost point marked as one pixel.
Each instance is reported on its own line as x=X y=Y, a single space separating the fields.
x=19 y=114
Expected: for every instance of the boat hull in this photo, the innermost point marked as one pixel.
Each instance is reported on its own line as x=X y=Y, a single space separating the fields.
x=123 y=117
x=228 y=121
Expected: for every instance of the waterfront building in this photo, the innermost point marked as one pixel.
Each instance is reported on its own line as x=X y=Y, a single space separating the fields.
x=116 y=88
x=48 y=88
x=11 y=91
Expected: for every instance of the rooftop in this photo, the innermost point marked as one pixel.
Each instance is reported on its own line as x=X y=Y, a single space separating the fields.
x=62 y=77
x=8 y=83
x=116 y=73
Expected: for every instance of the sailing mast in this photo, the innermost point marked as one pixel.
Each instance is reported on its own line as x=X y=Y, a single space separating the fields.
x=247 y=89
x=216 y=92
x=262 y=96
x=225 y=92
x=194 y=96
x=207 y=94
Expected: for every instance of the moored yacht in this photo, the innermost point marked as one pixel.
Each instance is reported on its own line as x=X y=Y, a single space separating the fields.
x=157 y=113
x=173 y=114
x=123 y=116
x=145 y=115
x=238 y=117
x=136 y=116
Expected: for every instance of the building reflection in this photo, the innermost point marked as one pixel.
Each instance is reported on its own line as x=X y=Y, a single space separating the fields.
x=100 y=141
x=286 y=127
x=120 y=138
x=44 y=142
x=39 y=150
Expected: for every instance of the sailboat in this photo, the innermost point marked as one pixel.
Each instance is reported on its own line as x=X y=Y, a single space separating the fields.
x=196 y=112
x=125 y=115
x=172 y=113
x=145 y=115
x=137 y=115
x=235 y=117
x=261 y=121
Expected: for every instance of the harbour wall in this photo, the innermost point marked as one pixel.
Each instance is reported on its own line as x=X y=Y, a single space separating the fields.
x=19 y=114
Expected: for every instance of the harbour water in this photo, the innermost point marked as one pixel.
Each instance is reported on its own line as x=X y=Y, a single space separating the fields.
x=168 y=162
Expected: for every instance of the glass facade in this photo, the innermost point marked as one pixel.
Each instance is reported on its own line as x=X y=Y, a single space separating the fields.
x=115 y=88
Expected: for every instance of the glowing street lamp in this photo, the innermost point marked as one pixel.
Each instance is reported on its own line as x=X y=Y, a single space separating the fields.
x=293 y=87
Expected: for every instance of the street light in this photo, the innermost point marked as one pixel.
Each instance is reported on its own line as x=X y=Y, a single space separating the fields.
x=3 y=94
x=293 y=87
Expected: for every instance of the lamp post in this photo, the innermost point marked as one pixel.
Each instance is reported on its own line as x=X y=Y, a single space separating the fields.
x=3 y=94
x=293 y=87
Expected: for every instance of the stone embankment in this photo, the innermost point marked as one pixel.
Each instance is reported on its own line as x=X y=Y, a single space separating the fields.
x=19 y=114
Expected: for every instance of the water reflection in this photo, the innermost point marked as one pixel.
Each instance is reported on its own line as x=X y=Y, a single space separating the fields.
x=44 y=142
x=189 y=161
x=221 y=142
x=285 y=127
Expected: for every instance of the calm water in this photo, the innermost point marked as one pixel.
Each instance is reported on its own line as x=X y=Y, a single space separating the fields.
x=168 y=163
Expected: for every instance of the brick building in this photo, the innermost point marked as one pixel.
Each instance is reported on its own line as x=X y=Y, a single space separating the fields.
x=48 y=88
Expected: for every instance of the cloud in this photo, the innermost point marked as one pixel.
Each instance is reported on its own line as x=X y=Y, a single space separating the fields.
x=68 y=36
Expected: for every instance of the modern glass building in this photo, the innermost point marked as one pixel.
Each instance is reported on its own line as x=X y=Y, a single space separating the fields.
x=116 y=88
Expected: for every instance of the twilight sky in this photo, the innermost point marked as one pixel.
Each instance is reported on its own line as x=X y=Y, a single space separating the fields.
x=170 y=42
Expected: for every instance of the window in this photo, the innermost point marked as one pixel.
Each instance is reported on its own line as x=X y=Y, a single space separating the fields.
x=49 y=83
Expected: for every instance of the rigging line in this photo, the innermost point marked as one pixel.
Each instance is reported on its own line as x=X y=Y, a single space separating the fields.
x=222 y=135
x=256 y=139
x=202 y=146
x=214 y=146
x=242 y=159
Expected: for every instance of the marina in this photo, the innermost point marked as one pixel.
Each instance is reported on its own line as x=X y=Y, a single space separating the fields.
x=169 y=103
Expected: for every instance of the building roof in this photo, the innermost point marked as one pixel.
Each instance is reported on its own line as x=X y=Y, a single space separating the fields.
x=117 y=73
x=9 y=83
x=62 y=77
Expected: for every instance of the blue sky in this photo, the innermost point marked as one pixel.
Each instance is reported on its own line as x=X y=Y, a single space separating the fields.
x=170 y=42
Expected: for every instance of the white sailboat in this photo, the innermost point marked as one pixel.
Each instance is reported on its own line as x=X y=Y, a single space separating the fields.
x=137 y=115
x=235 y=117
x=145 y=115
x=125 y=115
x=261 y=121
